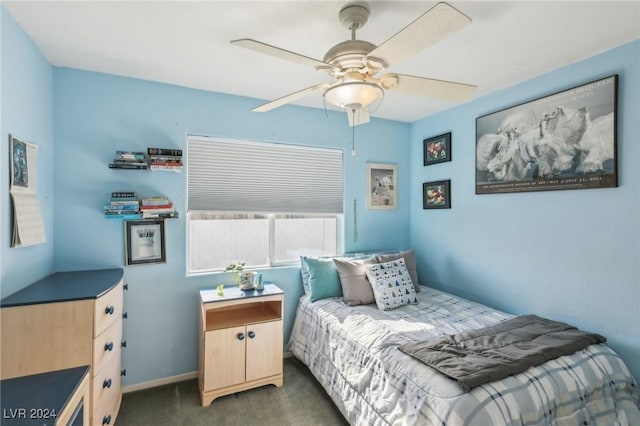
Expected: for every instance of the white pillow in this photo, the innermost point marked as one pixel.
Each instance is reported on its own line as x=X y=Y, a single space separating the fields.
x=391 y=284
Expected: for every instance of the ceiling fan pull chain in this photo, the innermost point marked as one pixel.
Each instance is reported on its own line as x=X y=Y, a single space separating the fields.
x=353 y=137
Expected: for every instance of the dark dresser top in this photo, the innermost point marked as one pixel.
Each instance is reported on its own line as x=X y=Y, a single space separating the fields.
x=65 y=287
x=38 y=399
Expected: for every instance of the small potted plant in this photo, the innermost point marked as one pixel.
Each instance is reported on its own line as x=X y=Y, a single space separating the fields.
x=244 y=279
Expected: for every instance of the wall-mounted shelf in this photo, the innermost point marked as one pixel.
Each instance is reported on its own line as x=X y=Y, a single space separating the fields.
x=155 y=159
x=125 y=205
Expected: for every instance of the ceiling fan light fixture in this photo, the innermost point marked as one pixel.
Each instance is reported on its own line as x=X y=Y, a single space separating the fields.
x=354 y=95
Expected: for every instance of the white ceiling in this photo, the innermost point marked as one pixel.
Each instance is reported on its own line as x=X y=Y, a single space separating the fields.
x=186 y=43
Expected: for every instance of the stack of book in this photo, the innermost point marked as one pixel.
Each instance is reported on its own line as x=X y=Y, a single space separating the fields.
x=124 y=205
x=157 y=208
x=165 y=159
x=129 y=160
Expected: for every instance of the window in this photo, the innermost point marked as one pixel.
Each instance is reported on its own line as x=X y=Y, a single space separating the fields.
x=261 y=203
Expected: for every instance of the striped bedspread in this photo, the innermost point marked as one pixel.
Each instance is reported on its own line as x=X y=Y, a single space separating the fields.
x=353 y=352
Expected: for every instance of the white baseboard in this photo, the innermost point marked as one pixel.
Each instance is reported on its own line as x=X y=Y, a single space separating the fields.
x=160 y=382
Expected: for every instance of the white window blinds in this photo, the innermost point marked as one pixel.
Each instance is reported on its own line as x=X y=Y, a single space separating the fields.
x=234 y=175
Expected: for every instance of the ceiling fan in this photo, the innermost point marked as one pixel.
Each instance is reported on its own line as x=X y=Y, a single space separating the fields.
x=354 y=63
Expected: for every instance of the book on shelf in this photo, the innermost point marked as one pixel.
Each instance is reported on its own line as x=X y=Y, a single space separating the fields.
x=166 y=163
x=175 y=158
x=154 y=215
x=154 y=201
x=164 y=151
x=130 y=162
x=123 y=194
x=116 y=202
x=143 y=166
x=131 y=155
x=155 y=167
x=123 y=216
x=121 y=207
x=157 y=206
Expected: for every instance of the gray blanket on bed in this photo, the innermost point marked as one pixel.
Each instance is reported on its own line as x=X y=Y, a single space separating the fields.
x=481 y=356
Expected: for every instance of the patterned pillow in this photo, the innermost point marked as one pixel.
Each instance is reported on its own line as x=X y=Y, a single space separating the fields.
x=391 y=283
x=409 y=257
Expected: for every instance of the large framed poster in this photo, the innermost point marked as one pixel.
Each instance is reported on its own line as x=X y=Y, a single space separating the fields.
x=566 y=140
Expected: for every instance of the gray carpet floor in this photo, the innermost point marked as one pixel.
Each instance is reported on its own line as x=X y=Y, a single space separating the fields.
x=300 y=401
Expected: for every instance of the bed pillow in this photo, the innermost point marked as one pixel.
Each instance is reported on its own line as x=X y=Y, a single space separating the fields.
x=392 y=285
x=356 y=289
x=323 y=281
x=409 y=257
x=304 y=271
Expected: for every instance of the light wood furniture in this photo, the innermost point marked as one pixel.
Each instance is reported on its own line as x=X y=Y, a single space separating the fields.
x=68 y=319
x=58 y=398
x=241 y=340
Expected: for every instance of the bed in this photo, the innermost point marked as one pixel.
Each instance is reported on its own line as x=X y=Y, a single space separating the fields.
x=353 y=352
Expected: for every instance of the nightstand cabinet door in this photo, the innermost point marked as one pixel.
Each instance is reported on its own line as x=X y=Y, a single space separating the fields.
x=264 y=357
x=224 y=357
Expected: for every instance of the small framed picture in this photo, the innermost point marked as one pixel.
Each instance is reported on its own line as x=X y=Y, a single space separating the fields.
x=436 y=195
x=437 y=149
x=144 y=242
x=382 y=186
x=19 y=162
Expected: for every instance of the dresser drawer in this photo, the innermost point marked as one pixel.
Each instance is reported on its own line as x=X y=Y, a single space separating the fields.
x=108 y=309
x=105 y=411
x=107 y=346
x=106 y=384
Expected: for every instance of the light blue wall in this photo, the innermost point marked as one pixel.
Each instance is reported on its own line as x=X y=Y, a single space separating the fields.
x=572 y=256
x=26 y=113
x=97 y=114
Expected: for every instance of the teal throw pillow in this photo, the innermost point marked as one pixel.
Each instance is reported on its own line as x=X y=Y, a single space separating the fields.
x=324 y=280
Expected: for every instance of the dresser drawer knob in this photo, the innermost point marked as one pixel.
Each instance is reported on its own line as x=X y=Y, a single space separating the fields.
x=106 y=420
x=123 y=344
x=109 y=310
x=123 y=372
x=106 y=383
x=252 y=335
x=240 y=336
x=108 y=346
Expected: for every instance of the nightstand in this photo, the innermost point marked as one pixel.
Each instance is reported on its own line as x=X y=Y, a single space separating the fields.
x=241 y=340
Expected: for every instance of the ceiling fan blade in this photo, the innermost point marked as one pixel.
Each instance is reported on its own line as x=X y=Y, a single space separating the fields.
x=437 y=23
x=357 y=116
x=267 y=49
x=431 y=88
x=290 y=98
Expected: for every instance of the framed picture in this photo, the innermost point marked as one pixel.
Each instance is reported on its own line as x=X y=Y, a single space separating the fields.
x=437 y=149
x=19 y=162
x=436 y=195
x=566 y=140
x=382 y=186
x=144 y=242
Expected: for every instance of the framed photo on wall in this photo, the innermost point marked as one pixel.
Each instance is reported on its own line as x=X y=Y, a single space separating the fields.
x=382 y=186
x=566 y=140
x=436 y=194
x=437 y=149
x=144 y=242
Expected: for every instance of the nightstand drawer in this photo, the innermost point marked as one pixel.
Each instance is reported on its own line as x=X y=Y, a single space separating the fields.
x=108 y=309
x=107 y=346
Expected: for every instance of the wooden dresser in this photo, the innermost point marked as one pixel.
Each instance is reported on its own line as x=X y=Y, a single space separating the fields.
x=68 y=319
